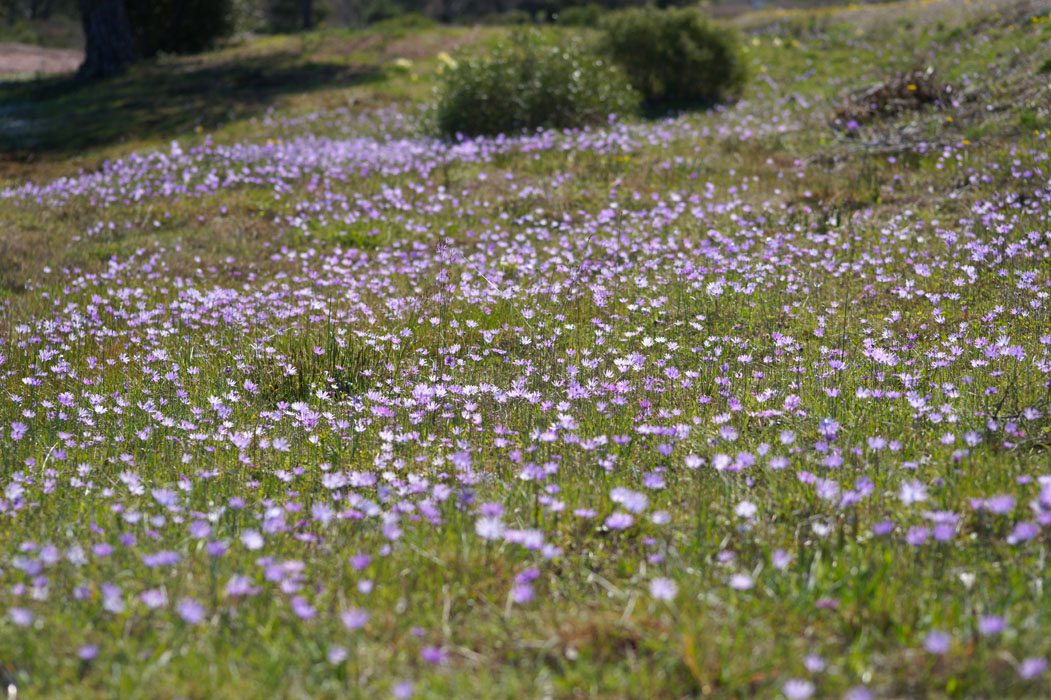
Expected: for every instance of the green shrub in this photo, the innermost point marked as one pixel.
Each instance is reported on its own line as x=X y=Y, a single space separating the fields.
x=178 y=26
x=581 y=15
x=508 y=18
x=286 y=16
x=399 y=22
x=675 y=56
x=527 y=83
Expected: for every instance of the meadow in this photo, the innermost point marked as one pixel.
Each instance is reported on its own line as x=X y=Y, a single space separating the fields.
x=297 y=401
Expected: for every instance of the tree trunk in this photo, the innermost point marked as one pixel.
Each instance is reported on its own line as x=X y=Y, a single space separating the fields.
x=308 y=11
x=107 y=39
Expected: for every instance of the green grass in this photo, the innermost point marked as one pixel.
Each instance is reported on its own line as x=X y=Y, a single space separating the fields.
x=861 y=601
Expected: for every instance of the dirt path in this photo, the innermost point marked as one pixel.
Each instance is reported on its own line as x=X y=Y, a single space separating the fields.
x=18 y=59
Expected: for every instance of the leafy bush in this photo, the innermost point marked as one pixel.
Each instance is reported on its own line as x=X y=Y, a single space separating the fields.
x=400 y=22
x=507 y=18
x=178 y=26
x=675 y=56
x=527 y=83
x=581 y=15
x=284 y=16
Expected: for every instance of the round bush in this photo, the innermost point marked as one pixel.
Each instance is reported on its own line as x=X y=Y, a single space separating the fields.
x=675 y=56
x=527 y=83
x=508 y=18
x=581 y=15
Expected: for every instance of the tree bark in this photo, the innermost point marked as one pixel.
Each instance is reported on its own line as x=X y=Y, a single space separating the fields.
x=107 y=39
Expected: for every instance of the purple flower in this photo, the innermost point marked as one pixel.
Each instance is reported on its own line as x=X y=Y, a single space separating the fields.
x=191 y=611
x=20 y=617
x=433 y=655
x=663 y=589
x=814 y=663
x=882 y=528
x=797 y=689
x=522 y=593
x=251 y=540
x=354 y=618
x=302 y=609
x=1000 y=504
x=163 y=558
x=989 y=625
x=917 y=535
x=216 y=548
x=780 y=559
x=859 y=692
x=153 y=598
x=745 y=509
x=1023 y=531
x=829 y=427
x=619 y=521
x=693 y=461
x=632 y=501
x=741 y=582
x=489 y=527
x=239 y=586
x=336 y=654
x=1032 y=667
x=165 y=497
x=913 y=492
x=937 y=642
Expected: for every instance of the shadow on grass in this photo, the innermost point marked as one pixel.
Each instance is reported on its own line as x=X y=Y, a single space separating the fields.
x=654 y=111
x=57 y=116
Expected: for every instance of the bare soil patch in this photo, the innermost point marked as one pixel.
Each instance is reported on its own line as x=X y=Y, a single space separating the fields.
x=18 y=59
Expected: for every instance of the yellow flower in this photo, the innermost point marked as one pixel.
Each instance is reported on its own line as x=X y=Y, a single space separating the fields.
x=447 y=59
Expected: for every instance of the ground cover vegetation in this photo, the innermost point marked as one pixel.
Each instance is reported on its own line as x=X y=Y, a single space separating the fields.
x=643 y=57
x=299 y=400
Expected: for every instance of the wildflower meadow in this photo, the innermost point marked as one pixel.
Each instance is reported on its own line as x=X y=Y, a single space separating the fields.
x=752 y=401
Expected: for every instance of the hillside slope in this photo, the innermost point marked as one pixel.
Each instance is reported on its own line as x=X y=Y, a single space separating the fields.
x=298 y=401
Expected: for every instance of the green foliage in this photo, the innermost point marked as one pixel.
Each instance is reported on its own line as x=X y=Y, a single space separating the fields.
x=1045 y=67
x=588 y=15
x=394 y=24
x=284 y=16
x=675 y=56
x=508 y=18
x=527 y=83
x=57 y=31
x=178 y=26
x=1029 y=120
